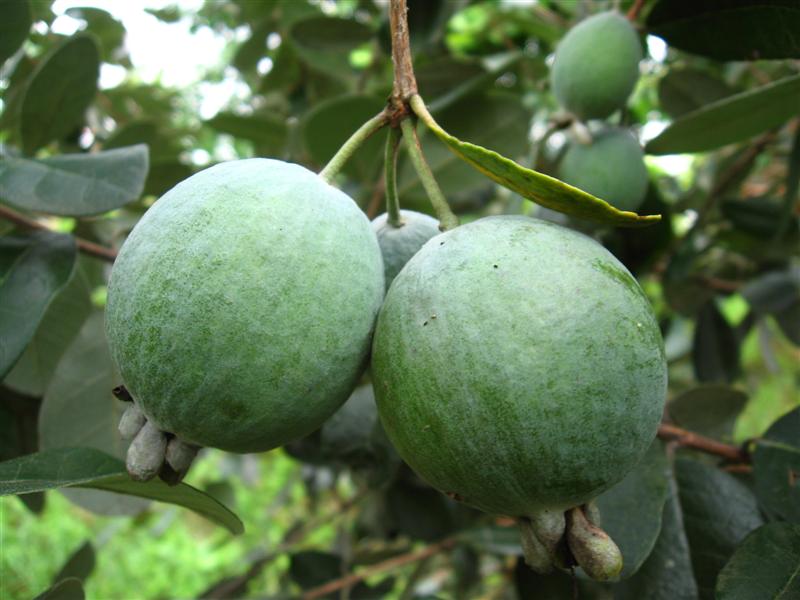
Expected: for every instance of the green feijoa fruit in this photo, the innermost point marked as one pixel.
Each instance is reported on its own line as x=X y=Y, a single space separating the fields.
x=596 y=66
x=611 y=168
x=518 y=366
x=241 y=306
x=399 y=244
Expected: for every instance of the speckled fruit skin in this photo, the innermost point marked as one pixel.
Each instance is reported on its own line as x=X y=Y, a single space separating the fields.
x=518 y=366
x=596 y=66
x=241 y=307
x=611 y=168
x=399 y=244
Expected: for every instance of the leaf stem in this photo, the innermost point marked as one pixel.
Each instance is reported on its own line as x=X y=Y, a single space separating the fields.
x=689 y=439
x=390 y=178
x=85 y=246
x=352 y=144
x=447 y=220
x=393 y=563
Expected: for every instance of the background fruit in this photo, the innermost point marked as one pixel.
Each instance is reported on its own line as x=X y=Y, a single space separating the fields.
x=611 y=168
x=399 y=244
x=518 y=366
x=241 y=306
x=596 y=66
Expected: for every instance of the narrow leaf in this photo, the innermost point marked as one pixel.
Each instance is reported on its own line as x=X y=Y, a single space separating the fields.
x=15 y=22
x=75 y=184
x=766 y=565
x=60 y=91
x=729 y=30
x=79 y=565
x=91 y=468
x=731 y=119
x=36 y=276
x=542 y=189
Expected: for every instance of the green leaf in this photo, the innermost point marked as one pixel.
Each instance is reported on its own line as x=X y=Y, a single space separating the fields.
x=79 y=410
x=75 y=184
x=718 y=513
x=329 y=34
x=67 y=589
x=682 y=91
x=330 y=124
x=731 y=119
x=325 y=43
x=773 y=292
x=312 y=568
x=418 y=511
x=39 y=272
x=15 y=22
x=766 y=565
x=110 y=32
x=79 y=565
x=667 y=572
x=725 y=30
x=710 y=410
x=555 y=586
x=631 y=511
x=760 y=217
x=776 y=466
x=463 y=186
x=542 y=189
x=268 y=132
x=60 y=91
x=59 y=326
x=715 y=350
x=91 y=468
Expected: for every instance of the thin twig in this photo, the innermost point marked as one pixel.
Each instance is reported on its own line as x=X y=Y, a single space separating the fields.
x=633 y=12
x=236 y=584
x=405 y=84
x=387 y=565
x=689 y=439
x=84 y=246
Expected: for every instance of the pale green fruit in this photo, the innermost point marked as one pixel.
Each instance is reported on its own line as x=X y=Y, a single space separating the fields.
x=518 y=366
x=596 y=66
x=399 y=244
x=611 y=168
x=240 y=308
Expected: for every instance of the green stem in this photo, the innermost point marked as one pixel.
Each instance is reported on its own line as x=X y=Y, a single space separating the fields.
x=390 y=178
x=351 y=145
x=447 y=220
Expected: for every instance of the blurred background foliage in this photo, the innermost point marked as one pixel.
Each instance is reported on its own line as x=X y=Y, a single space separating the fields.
x=291 y=79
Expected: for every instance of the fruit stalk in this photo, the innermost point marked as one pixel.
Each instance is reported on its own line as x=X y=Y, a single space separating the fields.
x=390 y=178
x=447 y=219
x=351 y=145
